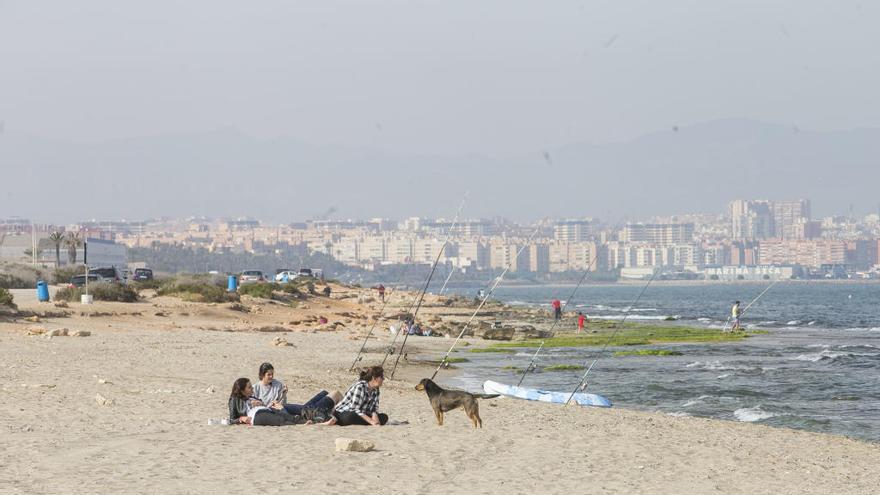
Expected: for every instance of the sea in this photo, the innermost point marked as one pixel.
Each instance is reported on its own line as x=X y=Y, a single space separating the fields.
x=817 y=368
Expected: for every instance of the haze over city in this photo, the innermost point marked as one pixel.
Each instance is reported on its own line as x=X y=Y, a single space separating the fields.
x=283 y=111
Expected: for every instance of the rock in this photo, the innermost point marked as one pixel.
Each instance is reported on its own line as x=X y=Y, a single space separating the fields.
x=61 y=304
x=353 y=445
x=33 y=319
x=81 y=333
x=103 y=401
x=504 y=333
x=36 y=330
x=272 y=328
x=210 y=390
x=160 y=313
x=279 y=342
x=57 y=332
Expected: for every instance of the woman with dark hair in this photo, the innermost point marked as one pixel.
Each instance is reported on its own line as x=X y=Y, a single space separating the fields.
x=360 y=405
x=244 y=409
x=273 y=393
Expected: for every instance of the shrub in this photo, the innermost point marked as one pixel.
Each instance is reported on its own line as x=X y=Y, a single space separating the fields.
x=69 y=294
x=196 y=291
x=19 y=276
x=63 y=275
x=113 y=292
x=155 y=284
x=6 y=298
x=101 y=292
x=263 y=291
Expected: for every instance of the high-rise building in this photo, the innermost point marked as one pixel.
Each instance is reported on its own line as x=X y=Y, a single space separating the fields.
x=751 y=219
x=573 y=230
x=787 y=215
x=661 y=234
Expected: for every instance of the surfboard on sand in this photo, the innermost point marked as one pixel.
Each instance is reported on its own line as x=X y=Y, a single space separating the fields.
x=582 y=399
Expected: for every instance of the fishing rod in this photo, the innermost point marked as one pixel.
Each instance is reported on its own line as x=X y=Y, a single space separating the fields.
x=446 y=282
x=427 y=283
x=483 y=302
x=724 y=329
x=555 y=322
x=582 y=384
x=378 y=318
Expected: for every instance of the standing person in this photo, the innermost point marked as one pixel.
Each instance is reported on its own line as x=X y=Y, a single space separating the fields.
x=557 y=309
x=581 y=320
x=360 y=405
x=381 y=290
x=735 y=314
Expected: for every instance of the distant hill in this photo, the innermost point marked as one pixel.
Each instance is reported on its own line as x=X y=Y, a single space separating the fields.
x=227 y=173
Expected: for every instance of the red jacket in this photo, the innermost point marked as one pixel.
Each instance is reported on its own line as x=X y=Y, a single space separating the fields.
x=581 y=320
x=556 y=304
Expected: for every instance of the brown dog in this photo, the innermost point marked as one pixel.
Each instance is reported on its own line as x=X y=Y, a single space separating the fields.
x=447 y=400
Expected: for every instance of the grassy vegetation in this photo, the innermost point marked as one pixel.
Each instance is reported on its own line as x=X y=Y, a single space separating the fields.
x=260 y=290
x=634 y=334
x=648 y=352
x=453 y=360
x=6 y=299
x=563 y=367
x=492 y=349
x=512 y=368
x=100 y=291
x=197 y=289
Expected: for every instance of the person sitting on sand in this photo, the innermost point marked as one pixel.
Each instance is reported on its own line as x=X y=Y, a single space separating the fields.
x=244 y=409
x=273 y=393
x=360 y=405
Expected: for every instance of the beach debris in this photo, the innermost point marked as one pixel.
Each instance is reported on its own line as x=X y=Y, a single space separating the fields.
x=56 y=332
x=104 y=382
x=210 y=390
x=353 y=445
x=279 y=342
x=36 y=330
x=103 y=401
x=33 y=319
x=160 y=313
x=81 y=333
x=61 y=304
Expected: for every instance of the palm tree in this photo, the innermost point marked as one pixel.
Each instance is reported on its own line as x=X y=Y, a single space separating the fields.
x=73 y=241
x=57 y=238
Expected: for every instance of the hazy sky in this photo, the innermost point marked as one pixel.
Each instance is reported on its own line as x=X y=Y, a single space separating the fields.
x=493 y=77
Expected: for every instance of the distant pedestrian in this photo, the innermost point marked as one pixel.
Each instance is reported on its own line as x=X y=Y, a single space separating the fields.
x=581 y=320
x=327 y=290
x=381 y=290
x=735 y=314
x=557 y=309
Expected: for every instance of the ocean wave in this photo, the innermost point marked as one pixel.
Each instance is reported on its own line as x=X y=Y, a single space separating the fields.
x=698 y=400
x=602 y=307
x=679 y=414
x=752 y=414
x=830 y=355
x=793 y=323
x=862 y=329
x=721 y=377
x=719 y=366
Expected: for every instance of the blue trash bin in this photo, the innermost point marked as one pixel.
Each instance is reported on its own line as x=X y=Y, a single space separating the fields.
x=231 y=283
x=42 y=291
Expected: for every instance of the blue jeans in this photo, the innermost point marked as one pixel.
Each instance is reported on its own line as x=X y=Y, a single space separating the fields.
x=320 y=401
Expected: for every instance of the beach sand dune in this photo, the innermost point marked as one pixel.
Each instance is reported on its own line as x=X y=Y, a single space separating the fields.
x=126 y=410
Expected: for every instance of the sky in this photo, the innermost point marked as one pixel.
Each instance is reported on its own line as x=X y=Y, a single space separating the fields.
x=442 y=77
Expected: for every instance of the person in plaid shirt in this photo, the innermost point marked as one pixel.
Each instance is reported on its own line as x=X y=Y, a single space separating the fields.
x=360 y=404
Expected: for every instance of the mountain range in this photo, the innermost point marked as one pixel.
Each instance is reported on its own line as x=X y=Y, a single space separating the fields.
x=697 y=168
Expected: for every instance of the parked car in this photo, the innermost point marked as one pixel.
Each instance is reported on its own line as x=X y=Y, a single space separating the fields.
x=141 y=274
x=286 y=276
x=251 y=276
x=109 y=274
x=80 y=280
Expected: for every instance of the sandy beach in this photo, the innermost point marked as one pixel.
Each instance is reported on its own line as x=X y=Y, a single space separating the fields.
x=162 y=368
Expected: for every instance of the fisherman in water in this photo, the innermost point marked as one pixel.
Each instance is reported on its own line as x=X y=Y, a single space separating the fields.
x=735 y=314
